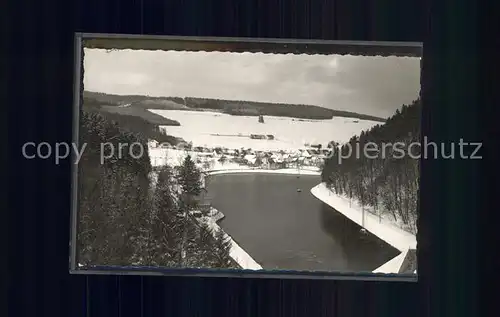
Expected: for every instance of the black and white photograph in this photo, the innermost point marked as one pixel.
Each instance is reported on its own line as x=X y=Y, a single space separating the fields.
x=248 y=161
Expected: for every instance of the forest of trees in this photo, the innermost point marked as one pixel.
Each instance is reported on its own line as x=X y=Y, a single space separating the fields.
x=130 y=214
x=242 y=107
x=388 y=183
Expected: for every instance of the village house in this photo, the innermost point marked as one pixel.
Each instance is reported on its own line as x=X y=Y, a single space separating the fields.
x=153 y=143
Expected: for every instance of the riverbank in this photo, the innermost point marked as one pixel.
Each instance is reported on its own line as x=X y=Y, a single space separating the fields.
x=383 y=228
x=239 y=255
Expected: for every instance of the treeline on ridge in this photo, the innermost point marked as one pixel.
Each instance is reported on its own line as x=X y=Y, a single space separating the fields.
x=132 y=122
x=248 y=108
x=95 y=101
x=232 y=107
x=130 y=214
x=388 y=183
x=141 y=113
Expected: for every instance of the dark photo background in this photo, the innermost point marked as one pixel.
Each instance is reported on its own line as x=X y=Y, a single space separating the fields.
x=38 y=86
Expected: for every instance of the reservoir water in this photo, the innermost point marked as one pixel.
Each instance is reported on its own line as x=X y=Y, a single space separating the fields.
x=282 y=228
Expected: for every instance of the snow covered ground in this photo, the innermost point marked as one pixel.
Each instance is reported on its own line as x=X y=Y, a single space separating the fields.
x=216 y=129
x=382 y=227
x=174 y=157
x=393 y=265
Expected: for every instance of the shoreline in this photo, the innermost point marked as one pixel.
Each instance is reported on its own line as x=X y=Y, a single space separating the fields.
x=386 y=231
x=283 y=171
x=393 y=265
x=383 y=229
x=237 y=253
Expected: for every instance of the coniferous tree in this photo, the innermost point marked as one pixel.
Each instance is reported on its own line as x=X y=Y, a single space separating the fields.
x=126 y=218
x=189 y=181
x=222 y=258
x=113 y=194
x=206 y=250
x=165 y=227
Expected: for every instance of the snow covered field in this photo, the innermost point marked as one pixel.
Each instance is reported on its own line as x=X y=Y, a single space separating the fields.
x=382 y=227
x=218 y=129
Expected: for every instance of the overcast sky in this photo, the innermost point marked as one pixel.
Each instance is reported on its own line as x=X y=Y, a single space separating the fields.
x=370 y=85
